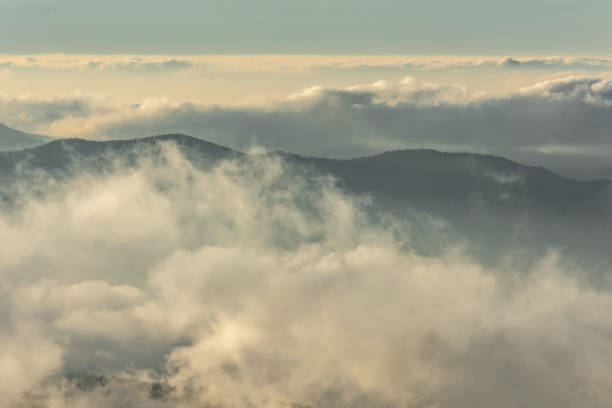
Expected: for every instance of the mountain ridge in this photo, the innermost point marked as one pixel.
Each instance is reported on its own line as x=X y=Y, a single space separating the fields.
x=13 y=139
x=480 y=196
x=388 y=157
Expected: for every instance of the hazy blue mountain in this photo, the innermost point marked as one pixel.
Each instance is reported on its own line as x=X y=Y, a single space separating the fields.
x=501 y=207
x=497 y=204
x=67 y=155
x=13 y=139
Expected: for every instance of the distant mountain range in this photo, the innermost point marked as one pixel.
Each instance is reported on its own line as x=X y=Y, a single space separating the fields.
x=495 y=203
x=13 y=139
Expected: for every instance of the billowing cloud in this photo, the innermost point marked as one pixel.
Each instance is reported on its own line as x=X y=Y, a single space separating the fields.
x=256 y=283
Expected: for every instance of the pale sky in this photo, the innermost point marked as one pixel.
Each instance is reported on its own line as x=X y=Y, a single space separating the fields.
x=548 y=27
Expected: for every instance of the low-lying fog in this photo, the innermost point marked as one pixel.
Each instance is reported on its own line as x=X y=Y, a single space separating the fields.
x=255 y=283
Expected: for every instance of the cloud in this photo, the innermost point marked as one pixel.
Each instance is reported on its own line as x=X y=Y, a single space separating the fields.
x=508 y=62
x=593 y=90
x=143 y=66
x=557 y=62
x=121 y=63
x=254 y=282
x=406 y=90
x=296 y=64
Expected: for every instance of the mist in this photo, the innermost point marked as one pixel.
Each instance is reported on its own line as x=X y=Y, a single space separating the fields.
x=253 y=282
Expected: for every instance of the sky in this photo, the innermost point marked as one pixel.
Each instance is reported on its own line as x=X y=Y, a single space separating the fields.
x=312 y=27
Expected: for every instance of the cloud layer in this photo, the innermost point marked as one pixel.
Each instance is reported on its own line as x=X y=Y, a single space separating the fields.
x=300 y=63
x=567 y=116
x=259 y=284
